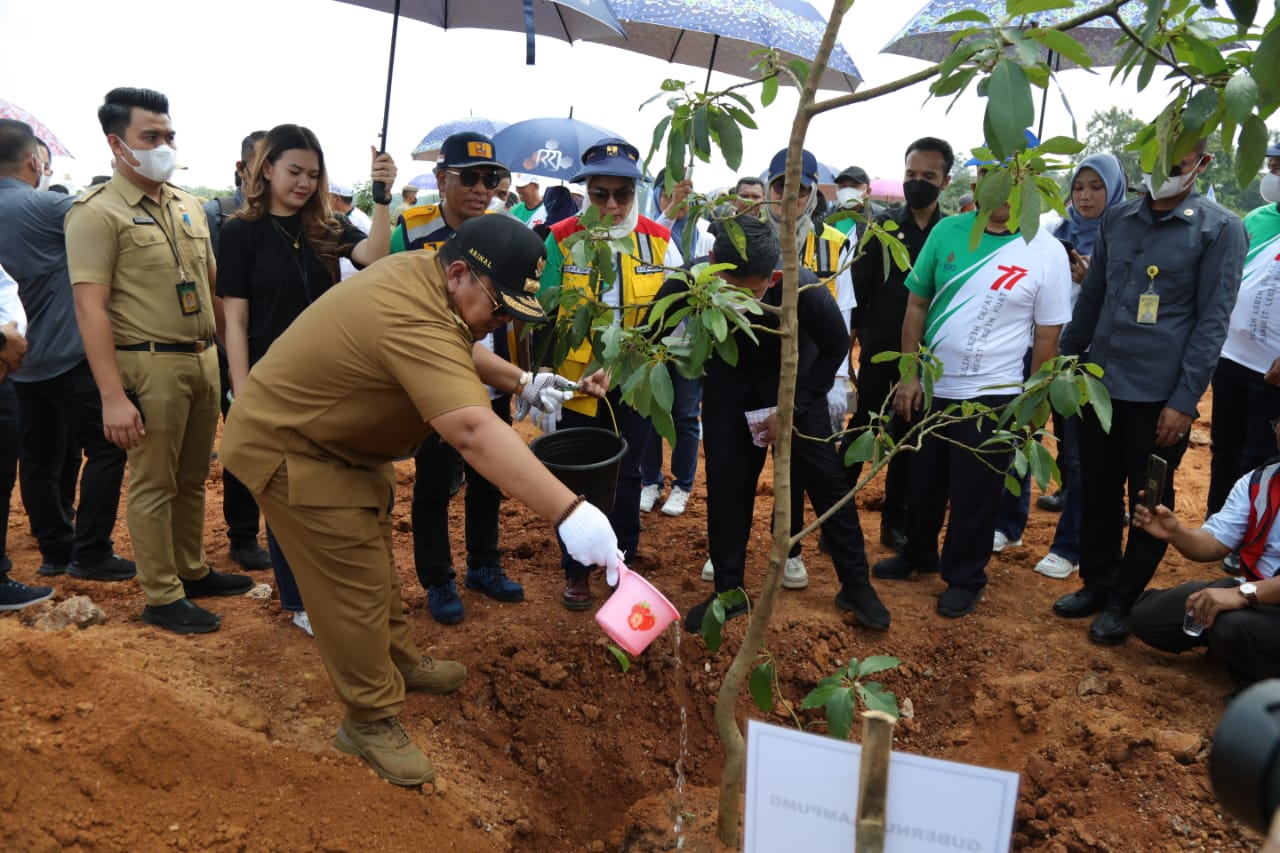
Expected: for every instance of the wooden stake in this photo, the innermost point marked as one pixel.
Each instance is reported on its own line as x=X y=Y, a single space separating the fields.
x=873 y=780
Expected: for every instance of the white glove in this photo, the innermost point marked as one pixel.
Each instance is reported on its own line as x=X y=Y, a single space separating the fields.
x=589 y=538
x=546 y=392
x=546 y=421
x=838 y=403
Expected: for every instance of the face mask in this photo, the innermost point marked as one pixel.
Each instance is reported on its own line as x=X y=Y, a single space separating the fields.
x=1270 y=188
x=920 y=194
x=846 y=196
x=1172 y=186
x=155 y=164
x=43 y=184
x=497 y=205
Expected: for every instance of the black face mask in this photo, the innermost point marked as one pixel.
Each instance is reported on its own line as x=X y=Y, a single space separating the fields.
x=920 y=194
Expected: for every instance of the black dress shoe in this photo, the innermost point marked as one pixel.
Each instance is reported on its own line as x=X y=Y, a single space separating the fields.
x=892 y=537
x=899 y=568
x=113 y=568
x=863 y=603
x=1085 y=602
x=252 y=557
x=217 y=584
x=1110 y=628
x=1052 y=503
x=693 y=619
x=181 y=617
x=49 y=570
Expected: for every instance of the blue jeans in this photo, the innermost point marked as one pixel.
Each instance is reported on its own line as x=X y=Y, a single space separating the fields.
x=1066 y=539
x=685 y=410
x=290 y=598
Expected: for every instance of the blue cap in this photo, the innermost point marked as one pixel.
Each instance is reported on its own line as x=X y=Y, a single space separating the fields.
x=610 y=156
x=1032 y=142
x=808 y=167
x=1273 y=150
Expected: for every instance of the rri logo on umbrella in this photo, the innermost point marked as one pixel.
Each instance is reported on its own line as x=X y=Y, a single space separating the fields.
x=549 y=156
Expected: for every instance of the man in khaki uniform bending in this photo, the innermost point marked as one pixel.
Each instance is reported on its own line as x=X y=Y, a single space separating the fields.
x=378 y=364
x=142 y=270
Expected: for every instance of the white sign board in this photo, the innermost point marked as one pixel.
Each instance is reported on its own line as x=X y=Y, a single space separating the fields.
x=802 y=794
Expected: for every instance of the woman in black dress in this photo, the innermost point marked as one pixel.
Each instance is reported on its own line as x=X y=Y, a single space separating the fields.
x=278 y=254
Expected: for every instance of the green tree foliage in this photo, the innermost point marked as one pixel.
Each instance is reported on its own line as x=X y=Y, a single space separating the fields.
x=1112 y=131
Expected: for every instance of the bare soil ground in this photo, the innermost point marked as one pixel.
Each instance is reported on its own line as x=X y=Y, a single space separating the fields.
x=123 y=738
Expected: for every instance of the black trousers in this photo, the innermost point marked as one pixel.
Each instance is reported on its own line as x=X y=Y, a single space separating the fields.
x=1247 y=641
x=1108 y=463
x=875 y=386
x=59 y=417
x=1243 y=408
x=8 y=464
x=733 y=469
x=948 y=470
x=436 y=463
x=239 y=509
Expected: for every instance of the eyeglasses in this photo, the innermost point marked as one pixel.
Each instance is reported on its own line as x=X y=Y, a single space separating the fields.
x=470 y=176
x=499 y=310
x=600 y=196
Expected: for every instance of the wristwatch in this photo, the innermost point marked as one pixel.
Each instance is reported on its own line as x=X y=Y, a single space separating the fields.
x=1250 y=592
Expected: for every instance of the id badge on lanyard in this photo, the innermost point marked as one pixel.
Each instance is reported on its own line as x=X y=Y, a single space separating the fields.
x=1149 y=302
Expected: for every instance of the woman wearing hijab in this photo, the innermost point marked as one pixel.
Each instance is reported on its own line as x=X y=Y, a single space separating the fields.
x=1098 y=183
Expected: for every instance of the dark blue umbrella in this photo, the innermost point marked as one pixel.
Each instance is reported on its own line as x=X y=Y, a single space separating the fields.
x=549 y=147
x=425 y=181
x=720 y=35
x=429 y=147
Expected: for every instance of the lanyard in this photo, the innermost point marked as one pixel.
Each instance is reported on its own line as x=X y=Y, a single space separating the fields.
x=299 y=262
x=170 y=239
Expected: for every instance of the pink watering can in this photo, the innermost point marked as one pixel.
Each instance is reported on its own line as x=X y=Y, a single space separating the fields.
x=636 y=613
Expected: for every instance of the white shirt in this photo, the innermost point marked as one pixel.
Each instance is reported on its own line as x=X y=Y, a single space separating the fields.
x=10 y=305
x=1228 y=526
x=361 y=220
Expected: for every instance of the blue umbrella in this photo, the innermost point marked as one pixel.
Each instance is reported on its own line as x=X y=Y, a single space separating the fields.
x=425 y=181
x=549 y=147
x=924 y=38
x=721 y=34
x=429 y=147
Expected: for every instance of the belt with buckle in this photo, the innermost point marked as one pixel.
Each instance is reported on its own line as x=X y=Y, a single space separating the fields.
x=151 y=346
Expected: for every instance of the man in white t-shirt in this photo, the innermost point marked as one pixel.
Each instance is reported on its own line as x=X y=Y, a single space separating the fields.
x=977 y=311
x=531 y=211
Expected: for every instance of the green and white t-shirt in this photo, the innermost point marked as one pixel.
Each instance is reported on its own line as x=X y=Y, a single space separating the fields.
x=530 y=217
x=985 y=303
x=1253 y=339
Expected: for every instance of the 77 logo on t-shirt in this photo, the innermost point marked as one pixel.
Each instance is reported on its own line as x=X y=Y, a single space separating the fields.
x=1012 y=275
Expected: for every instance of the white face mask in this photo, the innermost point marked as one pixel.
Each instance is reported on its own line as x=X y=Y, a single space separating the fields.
x=156 y=164
x=497 y=205
x=1172 y=186
x=1270 y=188
x=846 y=196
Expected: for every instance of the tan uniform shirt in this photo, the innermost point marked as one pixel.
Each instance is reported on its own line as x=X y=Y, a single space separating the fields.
x=118 y=237
x=351 y=384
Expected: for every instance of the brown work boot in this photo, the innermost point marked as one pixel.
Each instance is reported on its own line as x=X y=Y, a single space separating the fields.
x=435 y=676
x=387 y=749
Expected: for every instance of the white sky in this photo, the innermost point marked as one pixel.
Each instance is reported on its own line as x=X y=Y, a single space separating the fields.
x=233 y=66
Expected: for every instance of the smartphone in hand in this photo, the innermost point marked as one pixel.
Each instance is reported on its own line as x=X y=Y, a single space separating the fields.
x=1157 y=471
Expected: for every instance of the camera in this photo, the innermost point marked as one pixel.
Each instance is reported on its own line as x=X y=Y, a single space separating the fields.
x=1244 y=764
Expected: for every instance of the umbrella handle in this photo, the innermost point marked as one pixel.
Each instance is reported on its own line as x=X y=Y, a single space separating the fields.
x=381 y=192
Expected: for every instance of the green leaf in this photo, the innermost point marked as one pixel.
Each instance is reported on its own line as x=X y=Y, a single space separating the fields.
x=1266 y=63
x=882 y=357
x=713 y=625
x=761 y=685
x=994 y=189
x=952 y=83
x=1019 y=8
x=972 y=16
x=1012 y=485
x=730 y=141
x=861 y=448
x=821 y=695
x=1062 y=44
x=1009 y=107
x=800 y=68
x=1252 y=150
x=702 y=134
x=1100 y=400
x=1244 y=11
x=877 y=663
x=1241 y=96
x=1040 y=462
x=1029 y=210
x=768 y=90
x=742 y=117
x=881 y=700
x=659 y=133
x=840 y=714
x=623 y=661
x=660 y=386
x=1064 y=394
x=1063 y=145
x=1201 y=107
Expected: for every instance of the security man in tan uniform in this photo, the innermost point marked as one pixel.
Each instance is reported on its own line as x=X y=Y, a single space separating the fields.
x=142 y=270
x=378 y=364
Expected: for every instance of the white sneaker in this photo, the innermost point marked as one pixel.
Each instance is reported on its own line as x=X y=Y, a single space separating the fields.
x=708 y=571
x=649 y=497
x=1000 y=542
x=1056 y=567
x=676 y=502
x=794 y=574
x=302 y=621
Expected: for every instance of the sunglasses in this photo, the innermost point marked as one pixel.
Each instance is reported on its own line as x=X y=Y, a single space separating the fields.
x=499 y=310
x=470 y=176
x=600 y=196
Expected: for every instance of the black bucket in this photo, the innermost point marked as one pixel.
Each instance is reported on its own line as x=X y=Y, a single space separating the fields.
x=586 y=459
